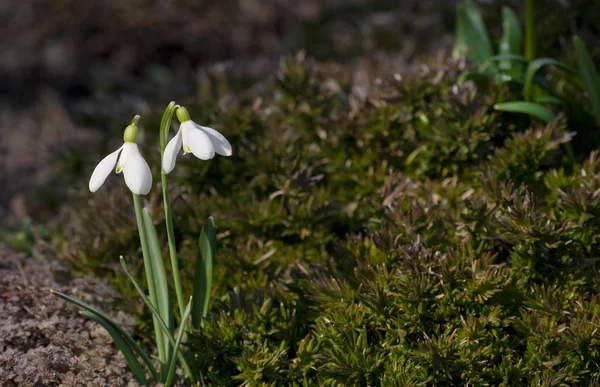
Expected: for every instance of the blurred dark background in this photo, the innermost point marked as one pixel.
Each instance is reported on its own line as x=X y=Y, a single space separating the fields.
x=80 y=47
x=73 y=71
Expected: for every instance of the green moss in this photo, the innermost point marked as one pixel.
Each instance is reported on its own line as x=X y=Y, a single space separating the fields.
x=413 y=238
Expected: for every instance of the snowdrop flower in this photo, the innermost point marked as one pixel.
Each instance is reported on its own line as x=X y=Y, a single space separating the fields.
x=135 y=169
x=201 y=141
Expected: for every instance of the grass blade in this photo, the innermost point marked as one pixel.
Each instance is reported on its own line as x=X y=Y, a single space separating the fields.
x=533 y=68
x=590 y=75
x=123 y=333
x=184 y=321
x=511 y=43
x=122 y=344
x=525 y=107
x=160 y=279
x=203 y=274
x=476 y=35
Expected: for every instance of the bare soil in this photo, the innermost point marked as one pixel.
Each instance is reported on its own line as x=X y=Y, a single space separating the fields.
x=43 y=339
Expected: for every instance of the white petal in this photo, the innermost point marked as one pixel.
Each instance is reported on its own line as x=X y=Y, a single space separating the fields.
x=197 y=141
x=136 y=170
x=103 y=169
x=170 y=154
x=222 y=146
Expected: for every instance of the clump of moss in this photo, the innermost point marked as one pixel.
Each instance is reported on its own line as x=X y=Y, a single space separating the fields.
x=403 y=235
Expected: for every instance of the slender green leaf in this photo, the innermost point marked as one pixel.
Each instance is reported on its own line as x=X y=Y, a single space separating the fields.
x=590 y=75
x=525 y=107
x=158 y=335
x=122 y=344
x=533 y=68
x=155 y=313
x=460 y=42
x=203 y=274
x=476 y=35
x=518 y=63
x=413 y=155
x=184 y=321
x=511 y=43
x=163 y=325
x=549 y=99
x=160 y=279
x=124 y=333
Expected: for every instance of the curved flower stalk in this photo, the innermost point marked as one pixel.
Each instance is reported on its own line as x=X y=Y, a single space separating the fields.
x=203 y=142
x=127 y=159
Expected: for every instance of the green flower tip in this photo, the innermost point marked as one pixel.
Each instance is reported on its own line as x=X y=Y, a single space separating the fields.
x=130 y=134
x=182 y=114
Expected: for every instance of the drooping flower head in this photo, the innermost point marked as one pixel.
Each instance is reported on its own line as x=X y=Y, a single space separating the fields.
x=203 y=142
x=128 y=160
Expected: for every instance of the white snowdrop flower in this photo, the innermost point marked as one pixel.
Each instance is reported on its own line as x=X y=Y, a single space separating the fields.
x=201 y=141
x=129 y=160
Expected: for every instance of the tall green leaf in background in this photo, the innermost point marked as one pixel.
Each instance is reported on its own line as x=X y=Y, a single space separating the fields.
x=531 y=108
x=203 y=274
x=476 y=35
x=460 y=41
x=533 y=67
x=590 y=75
x=511 y=43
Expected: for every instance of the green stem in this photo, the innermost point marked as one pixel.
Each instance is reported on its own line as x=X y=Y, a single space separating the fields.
x=529 y=30
x=160 y=345
x=172 y=247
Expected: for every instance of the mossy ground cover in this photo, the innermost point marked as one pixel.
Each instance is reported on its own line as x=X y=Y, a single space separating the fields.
x=409 y=235
x=379 y=223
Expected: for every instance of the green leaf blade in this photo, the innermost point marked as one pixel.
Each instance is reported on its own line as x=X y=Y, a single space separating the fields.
x=476 y=35
x=157 y=316
x=532 y=69
x=203 y=275
x=526 y=107
x=186 y=316
x=160 y=279
x=511 y=43
x=460 y=41
x=589 y=73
